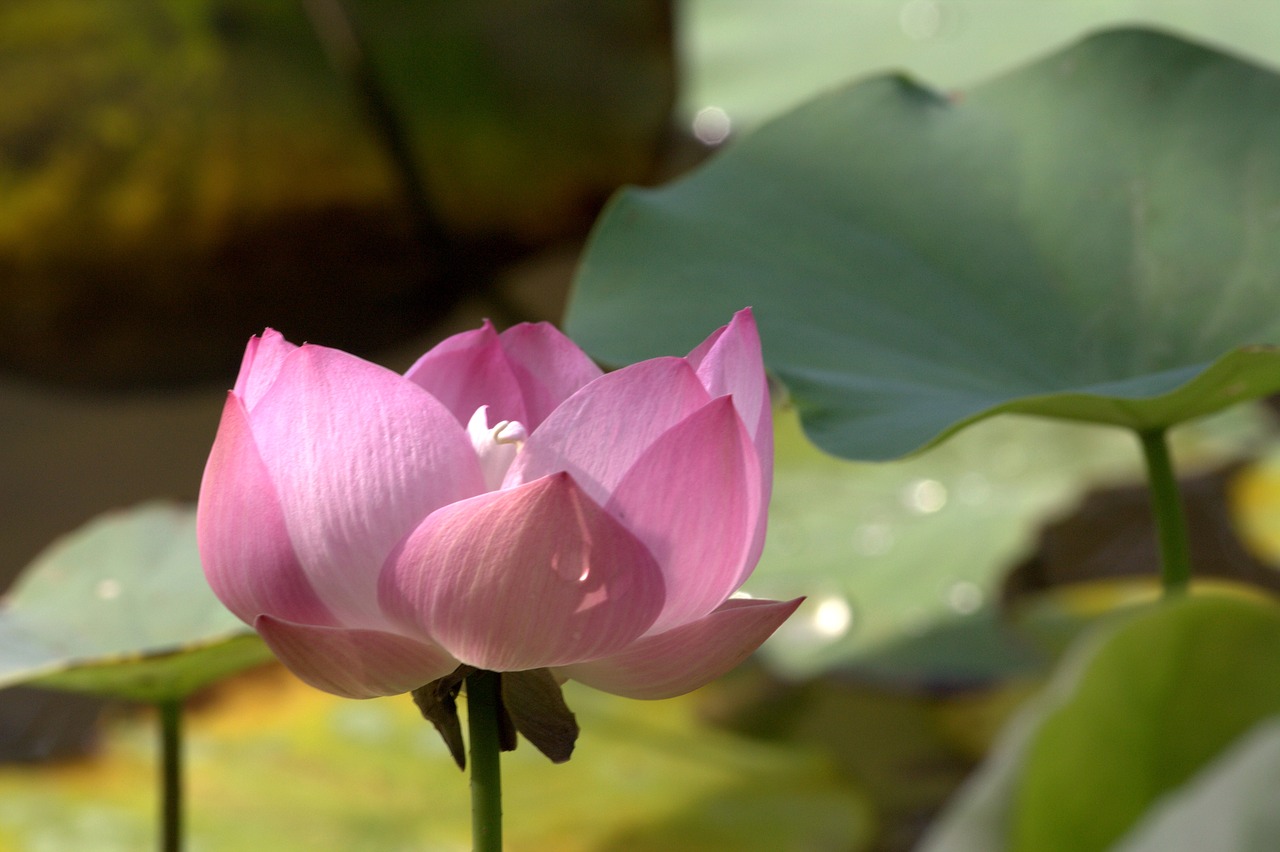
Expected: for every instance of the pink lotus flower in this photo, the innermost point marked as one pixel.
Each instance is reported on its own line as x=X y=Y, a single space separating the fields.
x=502 y=505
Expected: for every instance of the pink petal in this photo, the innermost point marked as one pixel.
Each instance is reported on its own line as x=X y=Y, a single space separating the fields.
x=693 y=498
x=599 y=432
x=469 y=370
x=549 y=367
x=262 y=359
x=526 y=578
x=687 y=657
x=358 y=457
x=244 y=544
x=354 y=663
x=730 y=362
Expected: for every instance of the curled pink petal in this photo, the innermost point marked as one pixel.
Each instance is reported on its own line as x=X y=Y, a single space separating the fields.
x=469 y=370
x=244 y=543
x=262 y=359
x=730 y=362
x=693 y=497
x=599 y=432
x=358 y=457
x=549 y=367
x=525 y=578
x=354 y=663
x=684 y=658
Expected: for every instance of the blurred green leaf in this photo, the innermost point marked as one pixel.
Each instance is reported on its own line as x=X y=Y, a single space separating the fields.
x=121 y=608
x=749 y=60
x=1135 y=710
x=175 y=174
x=372 y=776
x=527 y=116
x=977 y=818
x=1091 y=237
x=1232 y=806
x=1168 y=692
x=903 y=562
x=192 y=118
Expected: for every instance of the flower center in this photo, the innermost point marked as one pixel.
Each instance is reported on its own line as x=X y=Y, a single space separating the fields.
x=497 y=445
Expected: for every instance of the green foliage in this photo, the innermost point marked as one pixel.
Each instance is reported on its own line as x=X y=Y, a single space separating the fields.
x=277 y=765
x=902 y=562
x=132 y=122
x=1153 y=707
x=1233 y=806
x=1087 y=238
x=121 y=608
x=744 y=57
x=1135 y=712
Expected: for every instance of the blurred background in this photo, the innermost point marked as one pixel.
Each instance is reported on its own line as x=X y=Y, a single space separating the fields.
x=176 y=175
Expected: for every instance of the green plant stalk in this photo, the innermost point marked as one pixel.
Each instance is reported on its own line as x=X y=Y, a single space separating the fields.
x=170 y=775
x=1166 y=506
x=483 y=707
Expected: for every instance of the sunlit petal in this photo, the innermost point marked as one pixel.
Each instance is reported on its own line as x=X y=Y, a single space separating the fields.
x=693 y=498
x=358 y=457
x=469 y=370
x=682 y=659
x=245 y=547
x=598 y=434
x=548 y=366
x=354 y=663
x=526 y=578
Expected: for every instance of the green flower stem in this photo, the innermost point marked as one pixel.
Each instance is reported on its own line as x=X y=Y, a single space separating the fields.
x=486 y=774
x=1166 y=505
x=170 y=775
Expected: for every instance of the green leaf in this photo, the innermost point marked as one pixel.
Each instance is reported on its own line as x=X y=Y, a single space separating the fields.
x=371 y=776
x=1091 y=237
x=747 y=59
x=1135 y=710
x=121 y=608
x=1168 y=692
x=901 y=562
x=977 y=819
x=1233 y=806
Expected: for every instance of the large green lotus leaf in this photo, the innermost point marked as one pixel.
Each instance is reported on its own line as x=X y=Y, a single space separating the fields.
x=120 y=608
x=1233 y=806
x=1135 y=710
x=902 y=562
x=1091 y=237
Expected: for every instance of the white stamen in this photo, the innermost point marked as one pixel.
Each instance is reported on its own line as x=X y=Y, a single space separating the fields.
x=509 y=432
x=497 y=446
